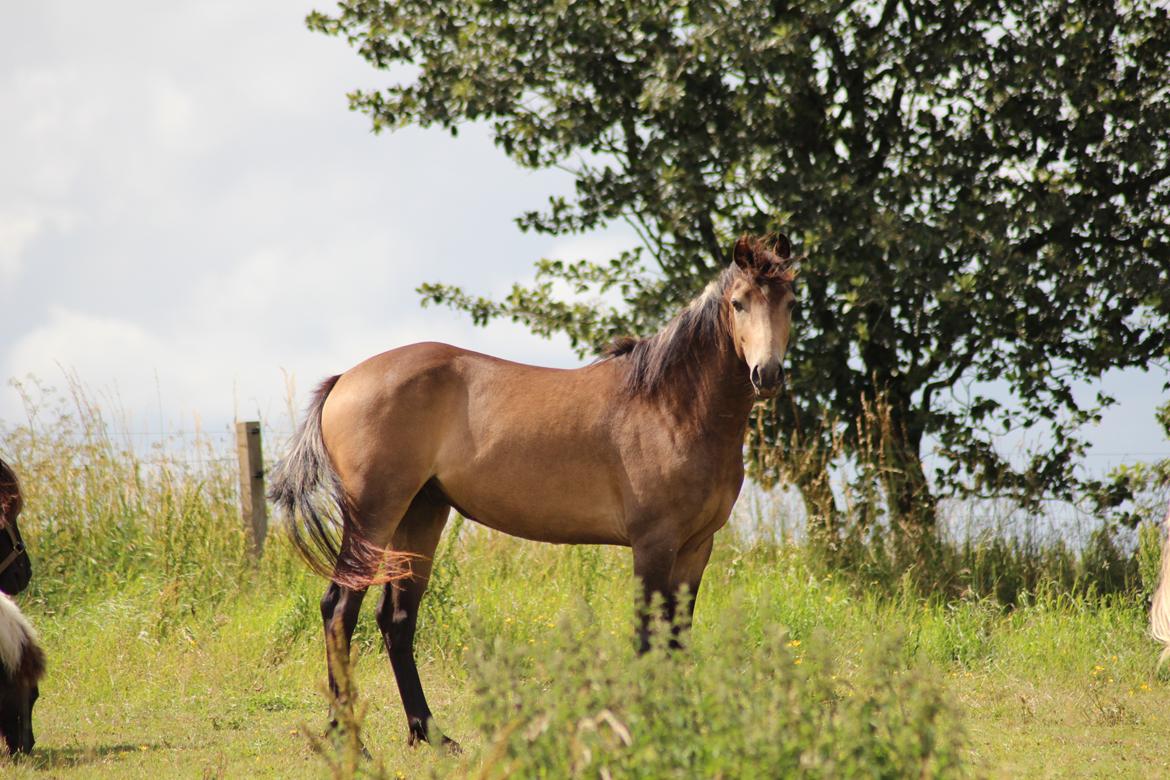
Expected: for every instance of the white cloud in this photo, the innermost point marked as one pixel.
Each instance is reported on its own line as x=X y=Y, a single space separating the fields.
x=16 y=232
x=172 y=110
x=90 y=346
x=596 y=248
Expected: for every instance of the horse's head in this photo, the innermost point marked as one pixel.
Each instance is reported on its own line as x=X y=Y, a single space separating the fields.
x=15 y=567
x=760 y=300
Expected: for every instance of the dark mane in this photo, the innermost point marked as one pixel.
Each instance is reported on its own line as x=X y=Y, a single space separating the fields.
x=680 y=344
x=701 y=326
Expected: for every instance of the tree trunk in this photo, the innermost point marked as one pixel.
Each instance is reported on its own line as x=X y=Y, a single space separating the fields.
x=911 y=505
x=816 y=490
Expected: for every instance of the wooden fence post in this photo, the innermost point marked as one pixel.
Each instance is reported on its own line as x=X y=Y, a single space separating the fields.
x=252 y=503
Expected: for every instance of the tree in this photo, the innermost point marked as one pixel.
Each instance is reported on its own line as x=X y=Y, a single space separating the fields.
x=982 y=189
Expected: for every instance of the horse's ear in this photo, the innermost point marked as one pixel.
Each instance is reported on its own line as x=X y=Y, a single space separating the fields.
x=783 y=247
x=743 y=255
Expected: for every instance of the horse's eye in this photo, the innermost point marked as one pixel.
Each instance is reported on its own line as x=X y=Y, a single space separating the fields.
x=736 y=304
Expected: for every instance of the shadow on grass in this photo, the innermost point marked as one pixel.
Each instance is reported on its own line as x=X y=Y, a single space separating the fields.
x=66 y=757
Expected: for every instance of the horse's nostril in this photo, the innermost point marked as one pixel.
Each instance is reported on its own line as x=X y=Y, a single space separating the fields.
x=766 y=376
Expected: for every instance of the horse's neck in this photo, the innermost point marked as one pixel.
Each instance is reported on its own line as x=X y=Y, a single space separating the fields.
x=719 y=397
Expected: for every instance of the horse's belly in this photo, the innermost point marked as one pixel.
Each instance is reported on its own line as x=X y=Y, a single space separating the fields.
x=526 y=499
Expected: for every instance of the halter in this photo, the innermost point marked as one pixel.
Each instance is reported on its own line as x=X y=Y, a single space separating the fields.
x=17 y=548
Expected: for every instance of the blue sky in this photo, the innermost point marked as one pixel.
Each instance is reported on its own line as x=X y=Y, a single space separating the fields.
x=189 y=213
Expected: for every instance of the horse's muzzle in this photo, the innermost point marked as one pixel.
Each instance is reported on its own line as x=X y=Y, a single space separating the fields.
x=767 y=379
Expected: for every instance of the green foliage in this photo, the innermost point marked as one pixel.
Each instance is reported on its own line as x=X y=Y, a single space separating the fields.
x=1149 y=558
x=442 y=607
x=583 y=706
x=981 y=188
x=300 y=618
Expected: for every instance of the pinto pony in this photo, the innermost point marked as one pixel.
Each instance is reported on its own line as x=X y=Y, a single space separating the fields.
x=22 y=664
x=643 y=448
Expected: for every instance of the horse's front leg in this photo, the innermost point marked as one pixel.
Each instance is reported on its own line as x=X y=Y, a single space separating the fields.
x=688 y=573
x=653 y=564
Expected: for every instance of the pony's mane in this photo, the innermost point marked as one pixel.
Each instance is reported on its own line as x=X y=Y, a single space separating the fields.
x=699 y=327
x=18 y=642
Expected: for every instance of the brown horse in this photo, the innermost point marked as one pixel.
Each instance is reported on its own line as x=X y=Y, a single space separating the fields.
x=642 y=448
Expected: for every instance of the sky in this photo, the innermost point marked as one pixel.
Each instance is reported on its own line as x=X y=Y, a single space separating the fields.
x=190 y=214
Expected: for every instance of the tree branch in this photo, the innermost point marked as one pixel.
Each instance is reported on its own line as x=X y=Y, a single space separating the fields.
x=707 y=231
x=961 y=366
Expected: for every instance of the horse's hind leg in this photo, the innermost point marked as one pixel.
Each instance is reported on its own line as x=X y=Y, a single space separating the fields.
x=339 y=613
x=418 y=534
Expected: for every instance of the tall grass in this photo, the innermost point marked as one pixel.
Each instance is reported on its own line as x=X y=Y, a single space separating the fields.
x=105 y=518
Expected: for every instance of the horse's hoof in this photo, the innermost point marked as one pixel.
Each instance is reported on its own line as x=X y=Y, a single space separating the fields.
x=335 y=728
x=418 y=736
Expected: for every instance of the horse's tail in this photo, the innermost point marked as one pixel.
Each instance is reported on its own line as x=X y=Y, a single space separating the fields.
x=319 y=514
x=1160 y=609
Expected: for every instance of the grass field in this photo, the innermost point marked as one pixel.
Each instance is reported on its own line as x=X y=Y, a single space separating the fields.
x=1061 y=687
x=172 y=655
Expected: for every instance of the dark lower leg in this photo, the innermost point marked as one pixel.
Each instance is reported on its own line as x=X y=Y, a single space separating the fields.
x=652 y=566
x=397 y=618
x=686 y=578
x=339 y=613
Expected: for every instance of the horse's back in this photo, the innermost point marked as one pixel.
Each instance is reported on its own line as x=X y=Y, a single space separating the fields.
x=525 y=449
